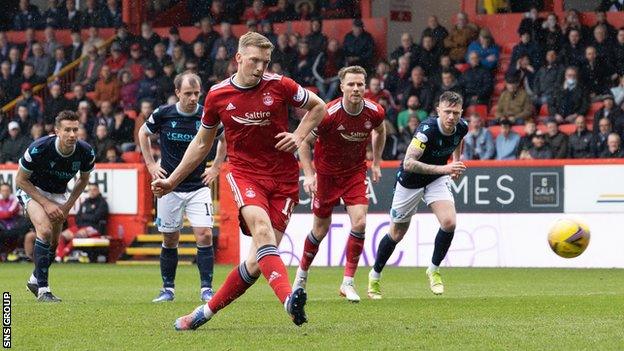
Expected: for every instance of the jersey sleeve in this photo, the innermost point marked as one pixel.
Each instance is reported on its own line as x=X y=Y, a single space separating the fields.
x=210 y=118
x=88 y=161
x=28 y=161
x=294 y=93
x=154 y=121
x=422 y=136
x=381 y=115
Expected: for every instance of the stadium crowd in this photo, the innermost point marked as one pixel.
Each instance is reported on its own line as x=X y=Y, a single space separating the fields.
x=556 y=71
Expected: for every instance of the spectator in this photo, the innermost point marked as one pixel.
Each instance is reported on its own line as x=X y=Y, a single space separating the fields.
x=599 y=141
x=113 y=155
x=5 y=46
x=580 y=141
x=428 y=56
x=532 y=24
x=227 y=39
x=303 y=71
x=614 y=147
x=36 y=131
x=27 y=16
x=54 y=104
x=105 y=116
x=117 y=59
x=14 y=226
x=166 y=79
x=284 y=54
x=407 y=49
x=609 y=110
x=106 y=88
x=26 y=46
x=207 y=34
x=557 y=141
x=316 y=39
x=92 y=15
x=618 y=52
x=74 y=50
x=572 y=22
x=359 y=46
x=15 y=62
x=573 y=51
x=406 y=134
x=72 y=18
x=382 y=72
x=448 y=83
x=146 y=109
x=178 y=58
x=413 y=109
x=282 y=12
x=39 y=60
x=53 y=15
x=101 y=143
x=539 y=150
x=436 y=31
x=618 y=92
x=148 y=38
x=257 y=12
x=595 y=74
x=89 y=70
x=375 y=92
x=478 y=143
x=527 y=140
x=507 y=142
x=15 y=145
x=94 y=40
x=202 y=60
x=149 y=87
x=29 y=76
x=136 y=63
x=33 y=104
x=486 y=48
x=570 y=99
x=476 y=81
x=445 y=64
x=547 y=80
x=50 y=44
x=305 y=10
x=160 y=57
x=219 y=67
x=173 y=41
x=399 y=79
x=112 y=14
x=514 y=104
x=460 y=36
x=603 y=44
x=525 y=73
x=325 y=69
x=91 y=219
x=128 y=90
x=610 y=5
x=24 y=120
x=58 y=62
x=527 y=46
x=552 y=35
x=79 y=96
x=124 y=38
x=122 y=131
x=420 y=88
x=8 y=83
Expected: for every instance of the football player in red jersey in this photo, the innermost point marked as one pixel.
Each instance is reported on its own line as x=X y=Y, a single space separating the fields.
x=253 y=107
x=340 y=143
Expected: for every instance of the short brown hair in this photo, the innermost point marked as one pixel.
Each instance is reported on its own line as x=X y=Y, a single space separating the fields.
x=351 y=69
x=254 y=39
x=65 y=116
x=451 y=98
x=179 y=79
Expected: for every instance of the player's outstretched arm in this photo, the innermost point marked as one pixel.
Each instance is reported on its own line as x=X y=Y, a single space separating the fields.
x=378 y=138
x=316 y=111
x=211 y=173
x=52 y=209
x=145 y=143
x=305 y=156
x=79 y=187
x=415 y=152
x=196 y=152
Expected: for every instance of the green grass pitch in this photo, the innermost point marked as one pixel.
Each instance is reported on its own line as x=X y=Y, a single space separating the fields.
x=107 y=307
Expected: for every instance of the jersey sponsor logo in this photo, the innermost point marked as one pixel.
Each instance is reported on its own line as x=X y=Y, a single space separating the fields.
x=173 y=124
x=341 y=127
x=267 y=99
x=422 y=137
x=230 y=107
x=257 y=118
x=368 y=125
x=250 y=193
x=300 y=94
x=355 y=136
x=418 y=144
x=179 y=136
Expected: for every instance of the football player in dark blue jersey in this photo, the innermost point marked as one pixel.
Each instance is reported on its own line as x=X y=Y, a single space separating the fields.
x=177 y=125
x=47 y=166
x=425 y=175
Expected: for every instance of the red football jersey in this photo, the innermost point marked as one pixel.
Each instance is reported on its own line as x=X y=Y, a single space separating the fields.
x=251 y=118
x=342 y=138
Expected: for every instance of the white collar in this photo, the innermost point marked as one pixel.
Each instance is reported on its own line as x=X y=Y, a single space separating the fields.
x=57 y=143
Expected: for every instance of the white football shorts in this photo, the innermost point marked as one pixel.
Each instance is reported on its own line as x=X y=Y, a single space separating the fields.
x=405 y=201
x=24 y=198
x=196 y=204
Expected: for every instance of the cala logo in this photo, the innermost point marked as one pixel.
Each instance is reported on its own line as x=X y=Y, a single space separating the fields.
x=267 y=99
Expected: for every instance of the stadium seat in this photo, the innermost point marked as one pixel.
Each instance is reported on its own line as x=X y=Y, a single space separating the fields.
x=69 y=95
x=91 y=95
x=499 y=88
x=543 y=110
x=131 y=157
x=132 y=114
x=462 y=67
x=481 y=110
x=567 y=128
x=508 y=48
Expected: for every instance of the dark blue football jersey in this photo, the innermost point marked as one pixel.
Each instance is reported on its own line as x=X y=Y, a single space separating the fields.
x=177 y=129
x=50 y=170
x=437 y=148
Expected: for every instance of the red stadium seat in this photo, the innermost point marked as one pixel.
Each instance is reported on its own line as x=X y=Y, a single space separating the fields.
x=499 y=88
x=481 y=110
x=91 y=95
x=131 y=157
x=543 y=110
x=132 y=114
x=493 y=110
x=462 y=67
x=69 y=95
x=567 y=128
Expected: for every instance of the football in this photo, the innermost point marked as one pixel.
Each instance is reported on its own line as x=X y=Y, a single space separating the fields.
x=568 y=238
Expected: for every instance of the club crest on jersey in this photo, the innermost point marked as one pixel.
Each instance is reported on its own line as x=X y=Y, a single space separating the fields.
x=267 y=99
x=250 y=193
x=368 y=125
x=173 y=124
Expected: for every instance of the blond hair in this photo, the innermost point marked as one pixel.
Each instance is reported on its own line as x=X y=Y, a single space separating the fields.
x=254 y=39
x=351 y=69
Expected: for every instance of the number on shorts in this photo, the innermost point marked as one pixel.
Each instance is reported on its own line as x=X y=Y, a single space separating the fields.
x=208 y=213
x=288 y=207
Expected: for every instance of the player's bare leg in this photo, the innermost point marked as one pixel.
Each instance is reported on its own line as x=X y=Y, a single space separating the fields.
x=45 y=245
x=445 y=212
x=355 y=245
x=205 y=261
x=384 y=251
x=320 y=226
x=168 y=266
